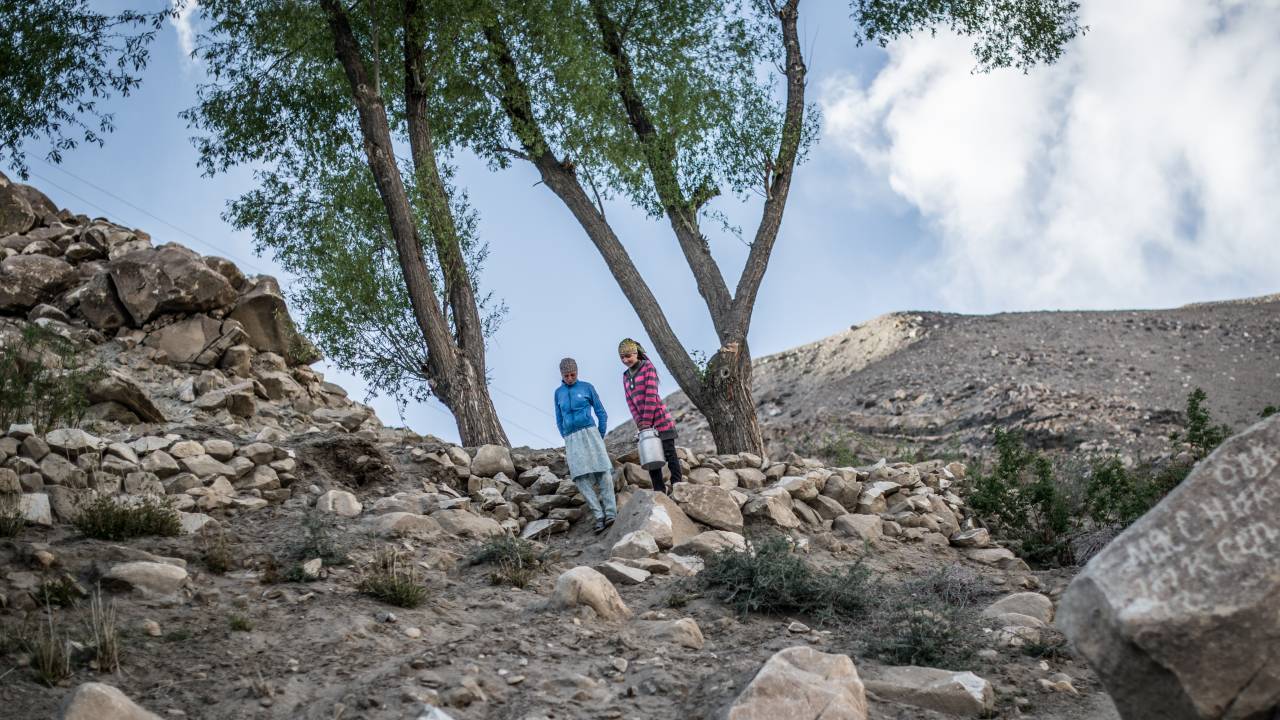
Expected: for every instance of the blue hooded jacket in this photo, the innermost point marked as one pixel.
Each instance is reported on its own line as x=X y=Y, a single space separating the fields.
x=574 y=404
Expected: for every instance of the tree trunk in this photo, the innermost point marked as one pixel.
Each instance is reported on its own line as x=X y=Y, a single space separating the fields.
x=452 y=376
x=725 y=399
x=466 y=395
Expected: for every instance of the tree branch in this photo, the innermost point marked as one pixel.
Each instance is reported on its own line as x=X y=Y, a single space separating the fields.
x=660 y=155
x=744 y=298
x=517 y=105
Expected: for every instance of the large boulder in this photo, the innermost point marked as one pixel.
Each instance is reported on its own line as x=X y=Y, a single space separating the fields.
x=115 y=386
x=800 y=683
x=947 y=691
x=1031 y=604
x=467 y=524
x=183 y=341
x=491 y=460
x=584 y=586
x=167 y=279
x=99 y=701
x=28 y=280
x=16 y=213
x=151 y=579
x=100 y=305
x=1178 y=614
x=709 y=504
x=262 y=312
x=656 y=514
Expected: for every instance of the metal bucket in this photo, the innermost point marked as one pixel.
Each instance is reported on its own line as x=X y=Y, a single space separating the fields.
x=650 y=445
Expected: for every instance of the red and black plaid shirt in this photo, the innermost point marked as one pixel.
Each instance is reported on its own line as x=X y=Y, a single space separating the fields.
x=646 y=405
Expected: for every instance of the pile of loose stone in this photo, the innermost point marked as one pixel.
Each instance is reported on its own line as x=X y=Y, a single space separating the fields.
x=184 y=338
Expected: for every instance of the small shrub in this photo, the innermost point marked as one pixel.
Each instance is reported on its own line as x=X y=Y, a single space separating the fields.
x=43 y=381
x=296 y=574
x=1115 y=495
x=681 y=593
x=50 y=659
x=393 y=579
x=770 y=578
x=321 y=539
x=106 y=519
x=177 y=636
x=924 y=631
x=11 y=519
x=61 y=591
x=1268 y=411
x=1051 y=646
x=955 y=586
x=1202 y=434
x=218 y=557
x=516 y=561
x=239 y=623
x=106 y=638
x=1023 y=504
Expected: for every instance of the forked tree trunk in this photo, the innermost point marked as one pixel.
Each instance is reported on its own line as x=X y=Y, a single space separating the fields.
x=726 y=401
x=455 y=371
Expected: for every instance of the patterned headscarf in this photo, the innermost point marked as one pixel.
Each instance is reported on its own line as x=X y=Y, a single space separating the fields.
x=568 y=365
x=630 y=346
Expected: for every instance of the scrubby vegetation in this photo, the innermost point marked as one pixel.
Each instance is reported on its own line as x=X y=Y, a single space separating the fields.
x=1053 y=514
x=770 y=578
x=515 y=561
x=11 y=519
x=393 y=579
x=43 y=380
x=925 y=621
x=322 y=539
x=105 y=518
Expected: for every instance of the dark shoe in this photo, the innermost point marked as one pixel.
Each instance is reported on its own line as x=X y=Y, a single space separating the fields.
x=608 y=522
x=600 y=526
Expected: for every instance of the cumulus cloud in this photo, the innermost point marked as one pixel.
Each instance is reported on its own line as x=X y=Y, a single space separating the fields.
x=183 y=22
x=1141 y=170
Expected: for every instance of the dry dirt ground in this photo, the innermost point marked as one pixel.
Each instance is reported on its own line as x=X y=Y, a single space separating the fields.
x=321 y=650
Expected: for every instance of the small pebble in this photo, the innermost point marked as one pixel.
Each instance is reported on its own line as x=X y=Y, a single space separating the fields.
x=151 y=627
x=413 y=632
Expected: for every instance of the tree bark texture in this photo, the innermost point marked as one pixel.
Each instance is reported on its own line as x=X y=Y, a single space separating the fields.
x=454 y=376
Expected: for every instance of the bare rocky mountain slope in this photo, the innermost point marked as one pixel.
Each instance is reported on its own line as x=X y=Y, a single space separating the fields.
x=939 y=383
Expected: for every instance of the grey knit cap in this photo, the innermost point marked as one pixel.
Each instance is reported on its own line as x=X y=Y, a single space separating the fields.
x=568 y=365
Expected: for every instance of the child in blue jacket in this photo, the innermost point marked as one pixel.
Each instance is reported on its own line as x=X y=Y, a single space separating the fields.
x=589 y=465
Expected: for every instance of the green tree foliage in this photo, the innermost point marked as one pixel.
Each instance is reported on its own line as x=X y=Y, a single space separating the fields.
x=43 y=379
x=1020 y=501
x=1202 y=434
x=59 y=61
x=327 y=226
x=327 y=97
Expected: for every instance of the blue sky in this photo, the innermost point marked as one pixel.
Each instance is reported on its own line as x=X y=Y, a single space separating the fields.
x=1117 y=178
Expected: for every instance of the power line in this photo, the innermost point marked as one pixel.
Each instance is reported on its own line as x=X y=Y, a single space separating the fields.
x=144 y=211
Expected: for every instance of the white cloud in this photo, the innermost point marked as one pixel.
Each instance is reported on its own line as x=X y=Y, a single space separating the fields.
x=1141 y=170
x=184 y=24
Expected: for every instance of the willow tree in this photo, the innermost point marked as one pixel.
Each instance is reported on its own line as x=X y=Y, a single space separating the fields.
x=297 y=87
x=673 y=105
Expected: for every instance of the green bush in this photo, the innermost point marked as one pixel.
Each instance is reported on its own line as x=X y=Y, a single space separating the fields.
x=106 y=519
x=930 y=620
x=393 y=579
x=322 y=539
x=43 y=381
x=1115 y=495
x=1022 y=503
x=1268 y=411
x=515 y=560
x=1202 y=434
x=770 y=578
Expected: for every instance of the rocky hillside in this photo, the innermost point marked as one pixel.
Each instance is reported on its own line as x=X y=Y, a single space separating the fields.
x=940 y=383
x=223 y=535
